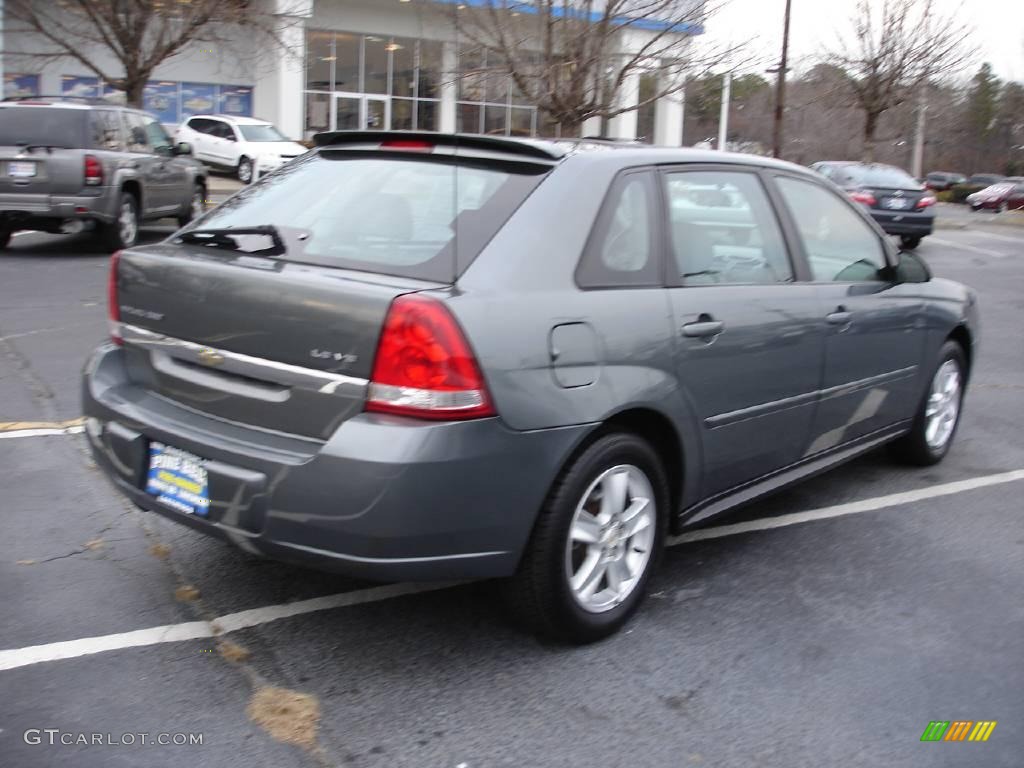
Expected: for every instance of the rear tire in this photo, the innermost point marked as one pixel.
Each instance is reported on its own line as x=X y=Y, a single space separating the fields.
x=196 y=205
x=5 y=238
x=245 y=170
x=123 y=232
x=587 y=520
x=910 y=242
x=938 y=415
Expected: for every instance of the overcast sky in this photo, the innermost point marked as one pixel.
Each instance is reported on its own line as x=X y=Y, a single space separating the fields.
x=998 y=28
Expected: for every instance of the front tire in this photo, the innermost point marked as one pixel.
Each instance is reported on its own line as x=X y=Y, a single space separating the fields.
x=938 y=415
x=910 y=242
x=595 y=543
x=123 y=232
x=245 y=170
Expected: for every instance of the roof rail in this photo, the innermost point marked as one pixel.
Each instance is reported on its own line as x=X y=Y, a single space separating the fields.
x=539 y=150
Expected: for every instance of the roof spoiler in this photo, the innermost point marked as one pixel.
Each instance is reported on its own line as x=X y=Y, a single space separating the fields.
x=524 y=148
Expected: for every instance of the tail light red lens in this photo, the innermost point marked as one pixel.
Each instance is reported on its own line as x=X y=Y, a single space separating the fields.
x=925 y=201
x=424 y=365
x=409 y=145
x=865 y=198
x=113 y=307
x=93 y=171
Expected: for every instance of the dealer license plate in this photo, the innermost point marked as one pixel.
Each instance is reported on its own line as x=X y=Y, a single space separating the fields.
x=177 y=478
x=21 y=169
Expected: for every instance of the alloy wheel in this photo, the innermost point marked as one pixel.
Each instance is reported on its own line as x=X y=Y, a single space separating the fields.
x=127 y=221
x=943 y=407
x=611 y=538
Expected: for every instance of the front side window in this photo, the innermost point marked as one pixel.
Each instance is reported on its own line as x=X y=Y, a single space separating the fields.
x=261 y=133
x=723 y=229
x=840 y=245
x=156 y=136
x=621 y=251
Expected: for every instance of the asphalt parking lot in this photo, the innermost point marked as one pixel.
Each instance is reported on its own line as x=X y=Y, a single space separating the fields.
x=826 y=626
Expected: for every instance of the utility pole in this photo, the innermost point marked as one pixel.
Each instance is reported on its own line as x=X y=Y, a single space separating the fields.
x=917 y=165
x=780 y=91
x=723 y=117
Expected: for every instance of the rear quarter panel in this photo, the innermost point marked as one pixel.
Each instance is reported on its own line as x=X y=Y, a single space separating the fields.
x=523 y=285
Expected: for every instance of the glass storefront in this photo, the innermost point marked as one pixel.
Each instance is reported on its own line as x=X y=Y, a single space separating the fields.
x=356 y=82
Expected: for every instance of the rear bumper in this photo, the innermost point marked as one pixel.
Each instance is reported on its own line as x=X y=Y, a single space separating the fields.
x=38 y=211
x=384 y=498
x=910 y=223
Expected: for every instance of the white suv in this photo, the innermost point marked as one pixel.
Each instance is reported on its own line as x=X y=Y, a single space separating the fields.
x=241 y=144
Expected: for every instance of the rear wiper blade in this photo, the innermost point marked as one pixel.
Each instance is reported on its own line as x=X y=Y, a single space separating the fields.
x=230 y=238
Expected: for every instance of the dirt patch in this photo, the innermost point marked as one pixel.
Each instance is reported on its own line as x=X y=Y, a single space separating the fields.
x=26 y=562
x=160 y=551
x=233 y=652
x=288 y=716
x=186 y=594
x=94 y=544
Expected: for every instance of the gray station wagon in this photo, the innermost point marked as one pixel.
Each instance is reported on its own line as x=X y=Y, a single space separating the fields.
x=68 y=165
x=424 y=356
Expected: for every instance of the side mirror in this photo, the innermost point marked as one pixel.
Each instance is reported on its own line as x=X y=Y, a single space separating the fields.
x=183 y=148
x=911 y=268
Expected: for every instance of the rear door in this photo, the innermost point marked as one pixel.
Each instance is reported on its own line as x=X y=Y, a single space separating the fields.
x=873 y=343
x=150 y=148
x=749 y=343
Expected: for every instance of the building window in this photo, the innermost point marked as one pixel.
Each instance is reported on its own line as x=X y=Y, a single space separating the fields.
x=645 y=113
x=371 y=81
x=489 y=101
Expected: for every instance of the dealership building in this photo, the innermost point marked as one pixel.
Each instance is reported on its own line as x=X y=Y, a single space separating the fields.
x=349 y=64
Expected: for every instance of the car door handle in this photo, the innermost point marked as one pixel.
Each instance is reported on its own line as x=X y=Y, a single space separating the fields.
x=839 y=317
x=703 y=329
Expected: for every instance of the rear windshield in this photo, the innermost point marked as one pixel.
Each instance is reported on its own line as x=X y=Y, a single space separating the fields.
x=42 y=126
x=881 y=176
x=413 y=216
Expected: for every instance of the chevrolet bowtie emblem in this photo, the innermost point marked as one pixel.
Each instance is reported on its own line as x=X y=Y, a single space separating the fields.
x=210 y=357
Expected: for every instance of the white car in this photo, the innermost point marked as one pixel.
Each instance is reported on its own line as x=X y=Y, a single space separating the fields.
x=240 y=144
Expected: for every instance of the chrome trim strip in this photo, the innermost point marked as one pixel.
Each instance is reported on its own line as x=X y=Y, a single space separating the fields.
x=763 y=409
x=246 y=365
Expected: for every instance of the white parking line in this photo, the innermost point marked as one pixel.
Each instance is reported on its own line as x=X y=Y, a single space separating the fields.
x=70 y=649
x=41 y=432
x=971 y=248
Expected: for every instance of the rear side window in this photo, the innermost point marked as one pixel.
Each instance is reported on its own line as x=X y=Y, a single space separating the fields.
x=621 y=251
x=200 y=124
x=723 y=229
x=43 y=126
x=106 y=130
x=410 y=216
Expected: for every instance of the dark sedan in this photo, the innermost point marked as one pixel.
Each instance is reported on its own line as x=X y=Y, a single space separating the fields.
x=894 y=198
x=940 y=181
x=423 y=356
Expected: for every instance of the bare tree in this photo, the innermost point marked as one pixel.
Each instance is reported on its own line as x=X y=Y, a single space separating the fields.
x=574 y=59
x=896 y=47
x=124 y=41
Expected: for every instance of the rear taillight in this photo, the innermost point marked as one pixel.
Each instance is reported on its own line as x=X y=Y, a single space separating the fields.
x=925 y=201
x=424 y=365
x=113 y=308
x=93 y=171
x=865 y=198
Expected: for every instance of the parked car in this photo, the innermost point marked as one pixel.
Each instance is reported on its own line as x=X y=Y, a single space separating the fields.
x=940 y=181
x=985 y=179
x=67 y=165
x=238 y=144
x=1001 y=197
x=425 y=356
x=895 y=199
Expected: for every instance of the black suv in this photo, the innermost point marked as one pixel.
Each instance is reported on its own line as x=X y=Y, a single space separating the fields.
x=67 y=165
